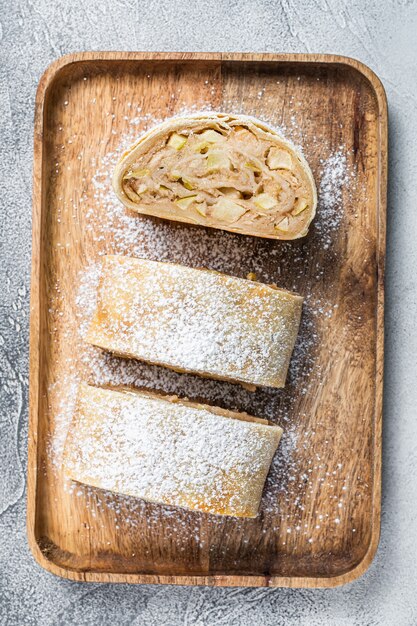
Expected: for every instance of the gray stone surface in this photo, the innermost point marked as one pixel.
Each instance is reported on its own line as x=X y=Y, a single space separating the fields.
x=383 y=35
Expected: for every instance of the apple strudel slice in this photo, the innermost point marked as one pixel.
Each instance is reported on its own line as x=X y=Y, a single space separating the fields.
x=170 y=451
x=225 y=171
x=196 y=321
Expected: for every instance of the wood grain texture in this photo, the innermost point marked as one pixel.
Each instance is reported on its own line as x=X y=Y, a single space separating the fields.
x=345 y=411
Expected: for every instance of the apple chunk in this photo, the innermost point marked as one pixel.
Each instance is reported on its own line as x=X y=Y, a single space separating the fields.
x=217 y=160
x=300 y=206
x=176 y=141
x=279 y=159
x=265 y=201
x=227 y=210
x=185 y=203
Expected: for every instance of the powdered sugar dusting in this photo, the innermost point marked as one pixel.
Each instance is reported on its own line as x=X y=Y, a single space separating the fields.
x=118 y=231
x=195 y=320
x=335 y=177
x=195 y=459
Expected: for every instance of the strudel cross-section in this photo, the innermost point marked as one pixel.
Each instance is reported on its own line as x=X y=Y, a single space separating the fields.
x=194 y=320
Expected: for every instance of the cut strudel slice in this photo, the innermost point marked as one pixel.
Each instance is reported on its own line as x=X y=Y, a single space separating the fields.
x=170 y=451
x=196 y=321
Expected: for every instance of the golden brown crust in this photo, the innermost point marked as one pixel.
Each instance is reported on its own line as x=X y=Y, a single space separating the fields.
x=195 y=321
x=177 y=453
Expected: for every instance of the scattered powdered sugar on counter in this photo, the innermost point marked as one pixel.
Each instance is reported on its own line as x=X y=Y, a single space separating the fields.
x=118 y=231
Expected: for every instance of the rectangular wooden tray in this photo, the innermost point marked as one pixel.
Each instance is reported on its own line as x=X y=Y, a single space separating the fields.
x=324 y=530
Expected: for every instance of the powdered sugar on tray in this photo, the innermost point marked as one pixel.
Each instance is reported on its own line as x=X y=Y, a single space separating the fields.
x=118 y=231
x=334 y=177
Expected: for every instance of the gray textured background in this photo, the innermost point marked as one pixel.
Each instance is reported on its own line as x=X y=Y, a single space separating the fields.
x=383 y=35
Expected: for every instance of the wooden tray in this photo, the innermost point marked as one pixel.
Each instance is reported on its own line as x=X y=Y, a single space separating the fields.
x=324 y=529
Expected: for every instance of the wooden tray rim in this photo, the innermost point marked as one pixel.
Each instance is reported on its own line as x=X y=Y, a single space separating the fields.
x=232 y=580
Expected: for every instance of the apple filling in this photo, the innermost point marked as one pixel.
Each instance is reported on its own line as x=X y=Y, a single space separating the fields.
x=226 y=177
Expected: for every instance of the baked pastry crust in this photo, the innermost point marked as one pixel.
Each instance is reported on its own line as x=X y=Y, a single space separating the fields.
x=169 y=451
x=195 y=320
x=225 y=171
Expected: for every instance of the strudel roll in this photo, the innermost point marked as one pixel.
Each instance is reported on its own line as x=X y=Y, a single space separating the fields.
x=231 y=172
x=170 y=451
x=194 y=320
